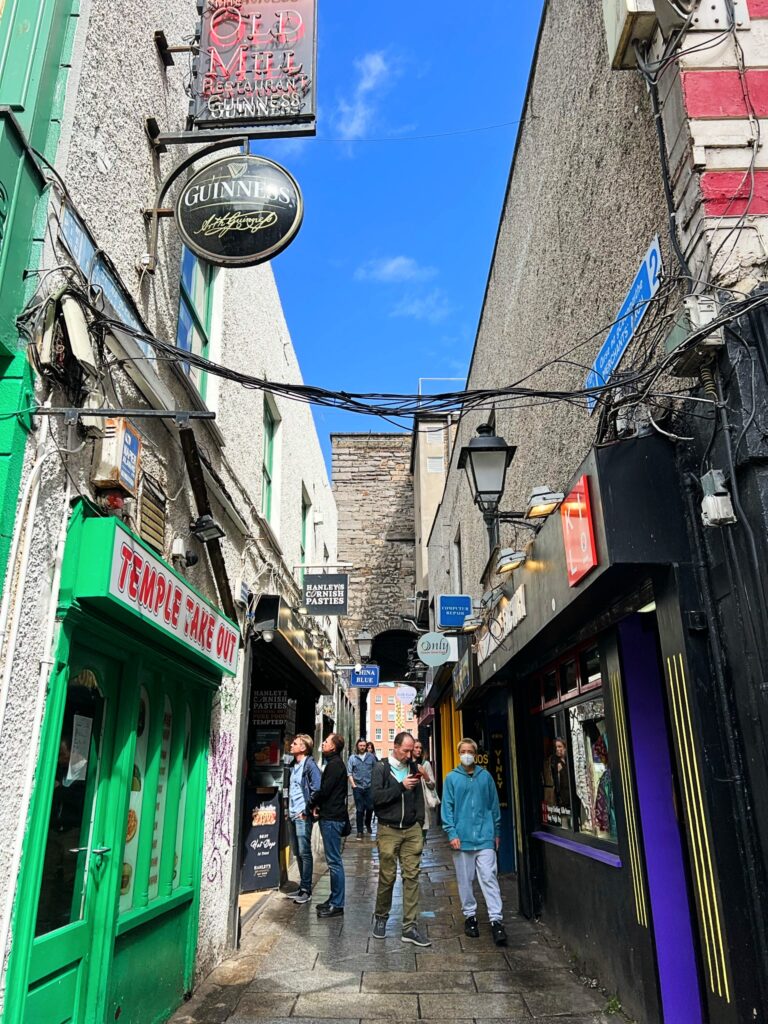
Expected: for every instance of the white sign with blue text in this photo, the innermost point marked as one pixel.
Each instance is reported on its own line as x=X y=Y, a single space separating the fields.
x=365 y=676
x=628 y=319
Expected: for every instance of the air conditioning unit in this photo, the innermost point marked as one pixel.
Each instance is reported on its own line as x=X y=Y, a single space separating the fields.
x=627 y=21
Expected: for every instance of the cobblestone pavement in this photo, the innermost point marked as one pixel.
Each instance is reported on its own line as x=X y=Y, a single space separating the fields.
x=292 y=967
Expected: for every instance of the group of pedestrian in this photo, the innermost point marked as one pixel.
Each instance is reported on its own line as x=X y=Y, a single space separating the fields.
x=400 y=790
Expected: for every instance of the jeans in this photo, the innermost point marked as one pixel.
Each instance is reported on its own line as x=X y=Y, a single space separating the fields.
x=331 y=833
x=405 y=845
x=482 y=862
x=363 y=808
x=302 y=848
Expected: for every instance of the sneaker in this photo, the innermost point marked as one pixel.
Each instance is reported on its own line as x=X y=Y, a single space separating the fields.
x=290 y=895
x=499 y=935
x=379 y=927
x=330 y=911
x=322 y=906
x=359 y=837
x=412 y=934
x=470 y=928
x=302 y=896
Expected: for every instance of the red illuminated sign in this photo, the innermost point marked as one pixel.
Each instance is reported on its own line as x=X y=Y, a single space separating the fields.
x=256 y=66
x=578 y=534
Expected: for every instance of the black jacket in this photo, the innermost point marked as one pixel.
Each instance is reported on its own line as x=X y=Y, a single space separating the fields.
x=331 y=798
x=394 y=804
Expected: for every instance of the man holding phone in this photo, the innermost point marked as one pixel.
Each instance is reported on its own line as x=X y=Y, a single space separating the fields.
x=398 y=800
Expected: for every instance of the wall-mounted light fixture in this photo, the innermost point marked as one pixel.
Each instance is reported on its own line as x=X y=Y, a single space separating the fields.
x=206 y=529
x=543 y=503
x=509 y=559
x=364 y=642
x=471 y=623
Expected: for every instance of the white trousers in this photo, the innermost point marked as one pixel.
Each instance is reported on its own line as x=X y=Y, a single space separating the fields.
x=467 y=862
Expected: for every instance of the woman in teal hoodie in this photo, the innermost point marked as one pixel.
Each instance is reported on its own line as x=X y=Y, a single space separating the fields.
x=472 y=820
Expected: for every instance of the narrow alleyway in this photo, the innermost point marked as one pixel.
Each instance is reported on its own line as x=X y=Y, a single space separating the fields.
x=292 y=966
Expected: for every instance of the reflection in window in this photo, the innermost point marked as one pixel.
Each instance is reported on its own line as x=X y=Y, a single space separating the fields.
x=592 y=771
x=550 y=686
x=162 y=794
x=569 y=678
x=182 y=800
x=73 y=805
x=555 y=774
x=590 y=668
x=135 y=802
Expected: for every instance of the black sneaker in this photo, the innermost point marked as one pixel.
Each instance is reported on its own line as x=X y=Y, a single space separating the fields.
x=379 y=927
x=359 y=837
x=499 y=935
x=330 y=911
x=302 y=896
x=322 y=906
x=470 y=927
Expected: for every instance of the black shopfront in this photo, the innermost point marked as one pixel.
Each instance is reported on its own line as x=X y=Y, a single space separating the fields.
x=625 y=833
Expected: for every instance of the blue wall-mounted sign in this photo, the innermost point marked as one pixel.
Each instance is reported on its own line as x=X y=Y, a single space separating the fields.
x=452 y=609
x=632 y=311
x=368 y=676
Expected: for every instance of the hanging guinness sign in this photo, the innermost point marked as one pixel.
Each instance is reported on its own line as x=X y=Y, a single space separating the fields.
x=239 y=211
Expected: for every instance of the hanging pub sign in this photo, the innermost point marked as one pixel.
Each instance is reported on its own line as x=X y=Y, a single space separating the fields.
x=239 y=211
x=326 y=594
x=255 y=72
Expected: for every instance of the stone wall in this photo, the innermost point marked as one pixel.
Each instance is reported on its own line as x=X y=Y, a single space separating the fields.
x=373 y=488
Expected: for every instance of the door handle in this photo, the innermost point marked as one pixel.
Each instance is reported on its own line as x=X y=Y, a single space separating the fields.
x=99 y=853
x=79 y=849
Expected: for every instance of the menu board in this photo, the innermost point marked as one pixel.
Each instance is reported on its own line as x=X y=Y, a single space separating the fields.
x=128 y=872
x=261 y=860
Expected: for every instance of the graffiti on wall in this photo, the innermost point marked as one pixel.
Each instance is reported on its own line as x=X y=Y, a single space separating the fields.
x=220 y=795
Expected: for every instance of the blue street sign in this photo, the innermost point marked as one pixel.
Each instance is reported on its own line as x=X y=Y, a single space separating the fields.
x=452 y=609
x=368 y=676
x=632 y=311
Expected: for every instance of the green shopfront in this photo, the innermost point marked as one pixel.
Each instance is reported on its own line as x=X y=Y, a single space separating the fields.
x=106 y=913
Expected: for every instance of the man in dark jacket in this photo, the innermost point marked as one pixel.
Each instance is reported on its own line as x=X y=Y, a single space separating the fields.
x=330 y=806
x=398 y=800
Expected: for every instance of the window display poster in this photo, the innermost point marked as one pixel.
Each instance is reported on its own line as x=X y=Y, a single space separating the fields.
x=265 y=749
x=269 y=707
x=261 y=861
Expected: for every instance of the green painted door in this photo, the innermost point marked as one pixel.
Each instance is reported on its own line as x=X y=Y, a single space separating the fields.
x=77 y=881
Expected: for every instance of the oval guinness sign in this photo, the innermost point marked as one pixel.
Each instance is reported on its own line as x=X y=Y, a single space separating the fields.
x=239 y=211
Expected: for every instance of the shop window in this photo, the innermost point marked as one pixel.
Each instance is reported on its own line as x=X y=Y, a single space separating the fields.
x=569 y=678
x=378 y=734
x=195 y=314
x=593 y=781
x=182 y=799
x=379 y=715
x=550 y=693
x=556 y=807
x=590 y=669
x=162 y=793
x=135 y=804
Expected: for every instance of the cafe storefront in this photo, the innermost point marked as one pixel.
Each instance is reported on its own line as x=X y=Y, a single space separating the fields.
x=596 y=649
x=106 y=916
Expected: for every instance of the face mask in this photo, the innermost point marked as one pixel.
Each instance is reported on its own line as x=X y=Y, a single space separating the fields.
x=467 y=760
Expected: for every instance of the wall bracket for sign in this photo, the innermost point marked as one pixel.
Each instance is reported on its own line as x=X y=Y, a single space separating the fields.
x=166 y=52
x=148 y=262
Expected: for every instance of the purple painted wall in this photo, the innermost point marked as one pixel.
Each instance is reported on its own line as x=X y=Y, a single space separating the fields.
x=662 y=842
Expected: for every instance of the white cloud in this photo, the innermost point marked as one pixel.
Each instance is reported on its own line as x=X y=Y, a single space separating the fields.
x=356 y=113
x=434 y=307
x=394 y=269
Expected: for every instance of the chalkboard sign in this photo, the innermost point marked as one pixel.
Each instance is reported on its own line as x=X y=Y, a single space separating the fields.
x=261 y=860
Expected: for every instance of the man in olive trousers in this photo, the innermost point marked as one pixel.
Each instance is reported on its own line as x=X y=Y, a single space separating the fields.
x=398 y=800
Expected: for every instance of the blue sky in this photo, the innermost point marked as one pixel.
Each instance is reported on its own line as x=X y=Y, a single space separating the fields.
x=384 y=283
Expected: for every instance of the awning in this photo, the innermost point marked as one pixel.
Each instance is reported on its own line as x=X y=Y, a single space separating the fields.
x=290 y=641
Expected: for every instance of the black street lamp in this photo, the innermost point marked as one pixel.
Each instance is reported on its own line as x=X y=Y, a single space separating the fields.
x=364 y=642
x=486 y=459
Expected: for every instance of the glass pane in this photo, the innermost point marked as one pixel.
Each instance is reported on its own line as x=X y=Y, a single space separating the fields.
x=569 y=678
x=590 y=668
x=550 y=686
x=65 y=863
x=135 y=803
x=162 y=793
x=555 y=775
x=182 y=801
x=592 y=771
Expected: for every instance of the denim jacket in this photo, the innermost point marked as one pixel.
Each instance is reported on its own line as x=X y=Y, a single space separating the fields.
x=310 y=780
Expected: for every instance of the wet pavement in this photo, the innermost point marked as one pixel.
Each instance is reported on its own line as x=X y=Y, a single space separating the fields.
x=292 y=967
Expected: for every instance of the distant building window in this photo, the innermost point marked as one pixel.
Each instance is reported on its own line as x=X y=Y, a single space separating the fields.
x=306 y=506
x=378 y=734
x=390 y=700
x=435 y=464
x=409 y=716
x=379 y=698
x=268 y=463
x=391 y=716
x=391 y=735
x=379 y=716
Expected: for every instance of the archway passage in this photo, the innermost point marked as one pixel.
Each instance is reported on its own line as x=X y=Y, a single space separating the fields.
x=390 y=652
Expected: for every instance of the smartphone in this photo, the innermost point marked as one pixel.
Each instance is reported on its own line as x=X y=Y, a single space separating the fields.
x=414 y=770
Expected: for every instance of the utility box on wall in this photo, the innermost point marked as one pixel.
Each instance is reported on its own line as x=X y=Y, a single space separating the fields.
x=118 y=457
x=626 y=21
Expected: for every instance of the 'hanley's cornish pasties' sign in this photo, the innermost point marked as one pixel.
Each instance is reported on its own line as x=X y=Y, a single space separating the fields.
x=152 y=590
x=239 y=211
x=256 y=66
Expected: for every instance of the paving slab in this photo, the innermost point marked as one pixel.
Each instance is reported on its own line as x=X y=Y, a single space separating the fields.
x=304 y=981
x=462 y=962
x=450 y=1005
x=418 y=981
x=548 y=1002
x=367 y=1004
